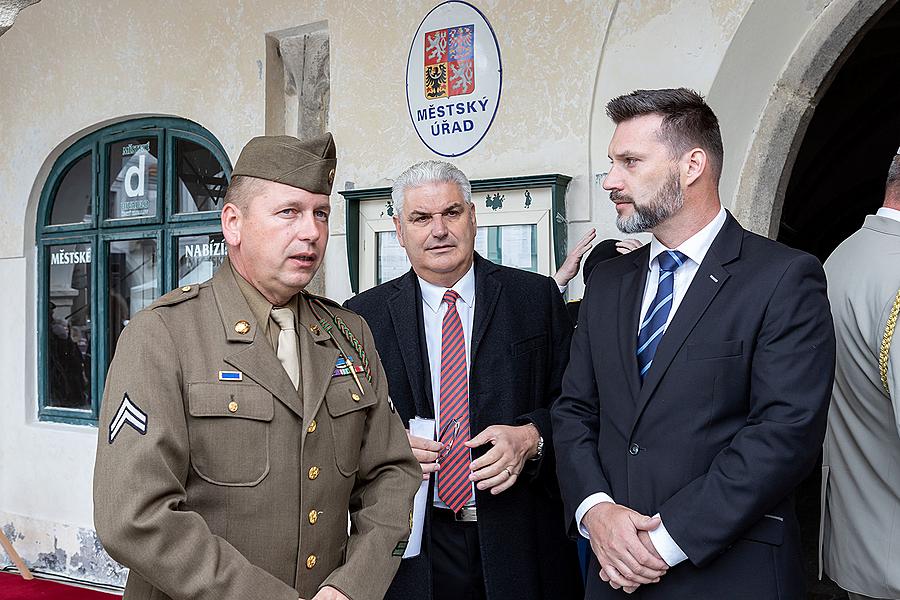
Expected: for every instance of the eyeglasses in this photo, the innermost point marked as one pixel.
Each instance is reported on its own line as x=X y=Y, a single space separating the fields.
x=448 y=446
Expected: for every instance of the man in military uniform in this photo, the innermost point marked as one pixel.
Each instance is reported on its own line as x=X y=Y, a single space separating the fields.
x=243 y=419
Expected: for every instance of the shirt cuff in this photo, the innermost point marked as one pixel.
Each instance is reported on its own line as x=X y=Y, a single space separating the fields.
x=562 y=288
x=586 y=505
x=666 y=546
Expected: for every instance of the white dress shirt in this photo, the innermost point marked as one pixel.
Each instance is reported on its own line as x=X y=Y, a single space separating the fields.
x=889 y=213
x=433 y=310
x=695 y=248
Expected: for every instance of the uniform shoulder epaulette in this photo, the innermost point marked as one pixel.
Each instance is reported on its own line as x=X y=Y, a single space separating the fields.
x=176 y=296
x=324 y=299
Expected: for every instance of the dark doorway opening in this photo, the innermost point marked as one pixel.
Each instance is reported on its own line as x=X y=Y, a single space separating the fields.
x=837 y=179
x=838 y=176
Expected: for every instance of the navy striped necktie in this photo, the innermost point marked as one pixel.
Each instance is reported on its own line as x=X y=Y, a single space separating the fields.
x=654 y=324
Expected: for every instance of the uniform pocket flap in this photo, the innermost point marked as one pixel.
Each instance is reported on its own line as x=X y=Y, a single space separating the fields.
x=768 y=530
x=715 y=350
x=241 y=400
x=347 y=398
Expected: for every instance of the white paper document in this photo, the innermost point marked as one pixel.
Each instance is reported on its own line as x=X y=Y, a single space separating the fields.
x=423 y=428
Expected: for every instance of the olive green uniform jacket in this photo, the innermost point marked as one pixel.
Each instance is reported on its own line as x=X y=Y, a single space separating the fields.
x=240 y=490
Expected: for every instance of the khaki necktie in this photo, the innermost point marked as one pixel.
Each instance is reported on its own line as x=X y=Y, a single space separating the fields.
x=287 y=343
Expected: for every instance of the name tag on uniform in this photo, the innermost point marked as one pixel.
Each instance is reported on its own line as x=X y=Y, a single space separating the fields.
x=231 y=376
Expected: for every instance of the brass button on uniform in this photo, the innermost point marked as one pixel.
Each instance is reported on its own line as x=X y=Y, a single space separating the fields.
x=313 y=472
x=312 y=426
x=232 y=406
x=311 y=561
x=355 y=396
x=242 y=327
x=330 y=177
x=186 y=288
x=313 y=517
x=314 y=329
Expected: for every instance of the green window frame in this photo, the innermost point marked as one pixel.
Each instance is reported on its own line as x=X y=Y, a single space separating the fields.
x=163 y=226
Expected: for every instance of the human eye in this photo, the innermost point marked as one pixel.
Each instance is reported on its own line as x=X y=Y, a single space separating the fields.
x=322 y=215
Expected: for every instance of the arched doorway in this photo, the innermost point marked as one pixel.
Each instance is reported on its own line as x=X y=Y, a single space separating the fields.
x=838 y=175
x=837 y=178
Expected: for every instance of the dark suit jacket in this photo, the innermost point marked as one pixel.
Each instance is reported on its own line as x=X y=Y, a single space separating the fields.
x=728 y=421
x=520 y=344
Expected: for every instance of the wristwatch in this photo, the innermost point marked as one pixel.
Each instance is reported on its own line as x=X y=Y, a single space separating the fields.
x=540 y=449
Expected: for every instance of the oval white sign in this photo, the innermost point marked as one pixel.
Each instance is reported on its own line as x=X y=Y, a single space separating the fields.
x=453 y=78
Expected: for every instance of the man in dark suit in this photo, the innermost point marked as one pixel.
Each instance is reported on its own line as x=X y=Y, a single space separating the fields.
x=696 y=394
x=481 y=348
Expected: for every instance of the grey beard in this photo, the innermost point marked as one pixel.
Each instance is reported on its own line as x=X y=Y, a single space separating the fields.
x=667 y=201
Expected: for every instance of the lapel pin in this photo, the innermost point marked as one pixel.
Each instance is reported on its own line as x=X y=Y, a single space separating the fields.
x=231 y=376
x=714 y=279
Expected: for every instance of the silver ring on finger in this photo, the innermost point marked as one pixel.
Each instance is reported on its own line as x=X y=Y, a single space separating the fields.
x=508 y=472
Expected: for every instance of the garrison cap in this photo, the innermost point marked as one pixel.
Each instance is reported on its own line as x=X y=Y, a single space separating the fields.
x=307 y=164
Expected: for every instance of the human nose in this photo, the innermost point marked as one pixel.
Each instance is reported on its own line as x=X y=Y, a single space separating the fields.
x=307 y=229
x=438 y=226
x=612 y=181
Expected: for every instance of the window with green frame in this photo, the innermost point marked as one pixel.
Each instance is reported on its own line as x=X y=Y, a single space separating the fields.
x=127 y=213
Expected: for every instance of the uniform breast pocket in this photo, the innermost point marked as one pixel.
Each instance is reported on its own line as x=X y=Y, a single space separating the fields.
x=229 y=432
x=347 y=409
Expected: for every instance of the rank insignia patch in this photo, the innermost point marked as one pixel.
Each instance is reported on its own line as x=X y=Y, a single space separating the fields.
x=128 y=413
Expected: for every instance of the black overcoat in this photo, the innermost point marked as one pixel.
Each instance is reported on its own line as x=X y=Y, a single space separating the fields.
x=520 y=346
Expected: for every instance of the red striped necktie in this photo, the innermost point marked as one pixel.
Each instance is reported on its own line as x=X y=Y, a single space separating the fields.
x=454 y=487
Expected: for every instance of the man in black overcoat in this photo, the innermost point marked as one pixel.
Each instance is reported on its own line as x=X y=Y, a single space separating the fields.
x=480 y=348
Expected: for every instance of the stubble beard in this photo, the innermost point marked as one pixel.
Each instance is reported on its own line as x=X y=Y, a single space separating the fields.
x=665 y=203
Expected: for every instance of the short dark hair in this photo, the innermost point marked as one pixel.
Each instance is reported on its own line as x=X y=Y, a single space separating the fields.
x=893 y=178
x=688 y=121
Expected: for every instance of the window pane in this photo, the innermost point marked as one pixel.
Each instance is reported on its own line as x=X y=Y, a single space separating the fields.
x=201 y=179
x=72 y=203
x=132 y=283
x=133 y=181
x=392 y=259
x=509 y=245
x=199 y=256
x=69 y=326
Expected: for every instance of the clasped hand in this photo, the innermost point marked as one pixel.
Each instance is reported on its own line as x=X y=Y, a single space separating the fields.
x=620 y=539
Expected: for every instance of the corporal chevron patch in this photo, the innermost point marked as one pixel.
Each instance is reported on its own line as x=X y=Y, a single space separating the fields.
x=128 y=413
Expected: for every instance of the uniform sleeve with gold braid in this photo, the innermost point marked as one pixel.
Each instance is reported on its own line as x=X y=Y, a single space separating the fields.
x=884 y=354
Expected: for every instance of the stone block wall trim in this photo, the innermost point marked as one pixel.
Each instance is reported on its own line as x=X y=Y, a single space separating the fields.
x=9 y=10
x=57 y=549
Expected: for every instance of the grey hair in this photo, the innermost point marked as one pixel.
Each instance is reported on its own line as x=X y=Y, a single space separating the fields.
x=424 y=173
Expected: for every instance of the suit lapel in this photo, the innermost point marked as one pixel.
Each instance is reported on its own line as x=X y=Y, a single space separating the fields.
x=487 y=292
x=317 y=358
x=631 y=294
x=709 y=279
x=406 y=314
x=256 y=359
